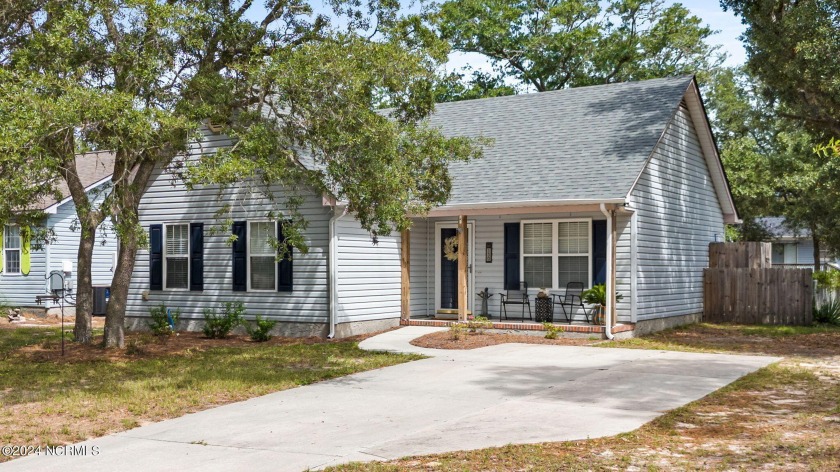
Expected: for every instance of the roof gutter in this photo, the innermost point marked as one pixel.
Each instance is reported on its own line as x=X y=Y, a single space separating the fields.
x=526 y=203
x=332 y=262
x=609 y=289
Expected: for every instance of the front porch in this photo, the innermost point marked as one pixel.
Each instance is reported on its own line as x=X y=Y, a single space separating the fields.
x=456 y=265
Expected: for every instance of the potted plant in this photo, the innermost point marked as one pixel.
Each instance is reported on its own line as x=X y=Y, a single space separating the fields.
x=597 y=296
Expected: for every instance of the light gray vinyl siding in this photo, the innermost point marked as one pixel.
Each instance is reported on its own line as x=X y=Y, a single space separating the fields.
x=678 y=216
x=422 y=274
x=64 y=224
x=369 y=281
x=168 y=201
x=623 y=267
x=805 y=251
x=21 y=290
x=18 y=290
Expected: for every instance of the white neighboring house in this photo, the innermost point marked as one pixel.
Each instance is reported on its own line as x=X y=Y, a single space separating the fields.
x=24 y=270
x=622 y=179
x=794 y=247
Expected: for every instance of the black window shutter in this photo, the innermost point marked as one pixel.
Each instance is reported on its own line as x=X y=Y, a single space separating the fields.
x=284 y=266
x=196 y=257
x=511 y=256
x=156 y=257
x=240 y=257
x=599 y=252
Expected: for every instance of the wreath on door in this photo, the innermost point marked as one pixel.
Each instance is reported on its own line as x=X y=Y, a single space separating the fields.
x=450 y=248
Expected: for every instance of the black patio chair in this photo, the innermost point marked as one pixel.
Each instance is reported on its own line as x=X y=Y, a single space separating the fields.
x=516 y=297
x=571 y=299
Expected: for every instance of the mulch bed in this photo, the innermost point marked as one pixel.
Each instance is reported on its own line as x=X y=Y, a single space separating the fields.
x=146 y=346
x=443 y=340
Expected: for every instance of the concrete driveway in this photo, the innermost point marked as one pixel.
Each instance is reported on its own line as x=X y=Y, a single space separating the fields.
x=497 y=395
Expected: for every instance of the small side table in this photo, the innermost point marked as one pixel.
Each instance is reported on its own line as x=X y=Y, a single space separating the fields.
x=544 y=311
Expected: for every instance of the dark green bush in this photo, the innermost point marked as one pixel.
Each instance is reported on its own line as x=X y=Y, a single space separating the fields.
x=159 y=322
x=828 y=312
x=260 y=329
x=218 y=326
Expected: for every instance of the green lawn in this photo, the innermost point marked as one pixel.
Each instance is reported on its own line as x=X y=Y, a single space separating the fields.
x=53 y=401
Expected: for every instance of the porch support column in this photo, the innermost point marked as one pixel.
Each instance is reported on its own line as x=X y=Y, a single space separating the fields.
x=405 y=278
x=612 y=292
x=462 y=268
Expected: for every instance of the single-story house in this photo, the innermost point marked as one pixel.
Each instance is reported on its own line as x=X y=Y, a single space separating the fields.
x=793 y=247
x=619 y=184
x=24 y=270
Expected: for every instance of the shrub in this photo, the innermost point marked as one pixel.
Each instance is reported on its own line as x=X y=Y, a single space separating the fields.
x=479 y=324
x=261 y=328
x=163 y=320
x=828 y=312
x=828 y=279
x=218 y=326
x=456 y=330
x=552 y=330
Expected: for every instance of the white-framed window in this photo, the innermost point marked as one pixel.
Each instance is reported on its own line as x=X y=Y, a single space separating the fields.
x=11 y=249
x=262 y=256
x=556 y=252
x=176 y=256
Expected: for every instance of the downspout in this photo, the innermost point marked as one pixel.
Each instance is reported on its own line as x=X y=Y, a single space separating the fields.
x=332 y=270
x=609 y=289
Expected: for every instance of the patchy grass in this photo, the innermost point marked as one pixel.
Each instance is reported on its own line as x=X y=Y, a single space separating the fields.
x=49 y=400
x=782 y=417
x=798 y=341
x=13 y=339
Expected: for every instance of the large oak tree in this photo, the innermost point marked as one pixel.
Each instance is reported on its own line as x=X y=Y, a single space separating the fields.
x=140 y=77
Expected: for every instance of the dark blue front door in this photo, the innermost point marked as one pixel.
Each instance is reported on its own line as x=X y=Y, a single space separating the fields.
x=448 y=273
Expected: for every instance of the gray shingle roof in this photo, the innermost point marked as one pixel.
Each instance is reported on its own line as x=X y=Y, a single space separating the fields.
x=777 y=227
x=587 y=143
x=91 y=167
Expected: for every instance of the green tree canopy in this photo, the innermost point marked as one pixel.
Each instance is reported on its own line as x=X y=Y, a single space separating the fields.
x=555 y=44
x=792 y=47
x=773 y=163
x=140 y=77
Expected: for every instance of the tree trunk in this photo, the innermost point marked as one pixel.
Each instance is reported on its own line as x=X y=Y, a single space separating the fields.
x=115 y=316
x=126 y=221
x=817 y=265
x=82 y=331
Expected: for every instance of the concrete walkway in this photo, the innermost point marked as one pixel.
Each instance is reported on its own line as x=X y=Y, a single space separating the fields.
x=492 y=396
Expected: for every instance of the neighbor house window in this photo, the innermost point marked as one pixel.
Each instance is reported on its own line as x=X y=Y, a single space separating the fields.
x=556 y=252
x=784 y=253
x=11 y=249
x=177 y=256
x=262 y=266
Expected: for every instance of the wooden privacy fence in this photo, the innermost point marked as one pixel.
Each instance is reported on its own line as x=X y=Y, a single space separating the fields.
x=758 y=296
x=745 y=255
